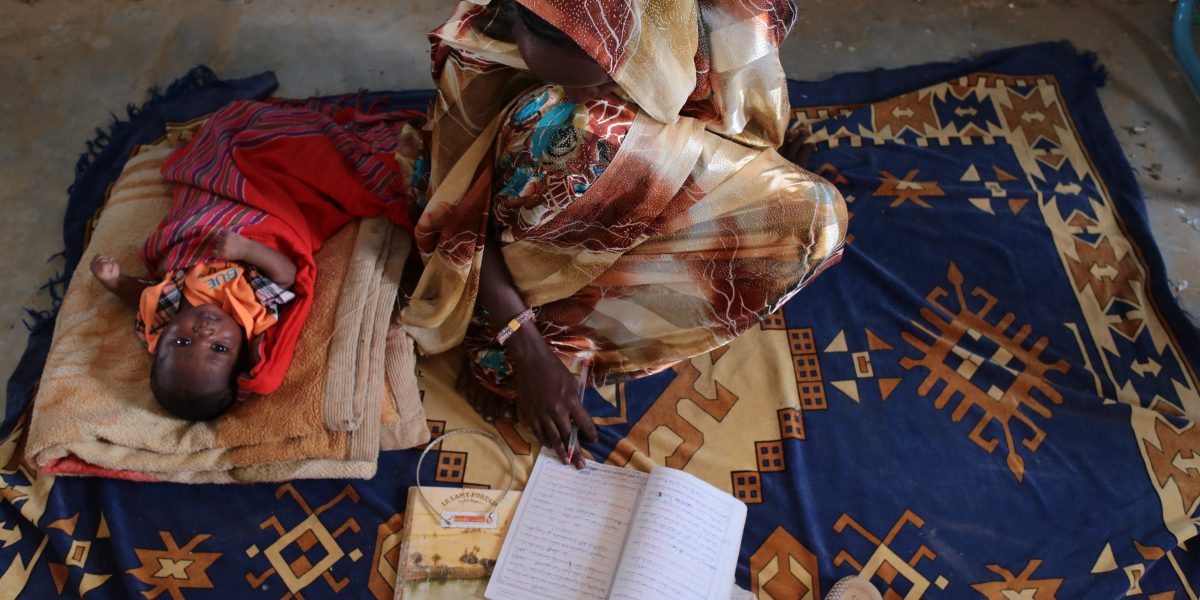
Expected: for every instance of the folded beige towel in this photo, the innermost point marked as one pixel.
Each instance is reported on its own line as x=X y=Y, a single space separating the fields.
x=94 y=413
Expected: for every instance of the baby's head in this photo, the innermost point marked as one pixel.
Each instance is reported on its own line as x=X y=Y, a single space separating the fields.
x=196 y=363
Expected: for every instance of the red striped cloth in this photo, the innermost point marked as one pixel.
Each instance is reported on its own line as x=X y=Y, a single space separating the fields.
x=287 y=174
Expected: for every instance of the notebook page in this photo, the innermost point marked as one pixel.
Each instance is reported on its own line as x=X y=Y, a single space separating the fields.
x=683 y=542
x=566 y=537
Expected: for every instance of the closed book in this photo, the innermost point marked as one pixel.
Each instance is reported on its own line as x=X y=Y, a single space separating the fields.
x=439 y=562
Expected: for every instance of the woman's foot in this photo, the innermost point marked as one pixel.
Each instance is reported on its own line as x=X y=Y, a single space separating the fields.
x=486 y=402
x=799 y=150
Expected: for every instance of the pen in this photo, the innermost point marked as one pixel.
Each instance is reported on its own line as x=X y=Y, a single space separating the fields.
x=585 y=362
x=572 y=441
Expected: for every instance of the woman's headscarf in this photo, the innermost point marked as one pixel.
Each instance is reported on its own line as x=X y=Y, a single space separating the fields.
x=714 y=60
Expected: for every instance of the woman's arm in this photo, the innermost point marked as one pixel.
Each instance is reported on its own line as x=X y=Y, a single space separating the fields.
x=548 y=394
x=106 y=270
x=276 y=266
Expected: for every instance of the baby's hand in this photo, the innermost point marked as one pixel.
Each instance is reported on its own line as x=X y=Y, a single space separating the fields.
x=106 y=270
x=231 y=246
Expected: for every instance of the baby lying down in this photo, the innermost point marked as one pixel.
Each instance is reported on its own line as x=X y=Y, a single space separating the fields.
x=255 y=194
x=200 y=323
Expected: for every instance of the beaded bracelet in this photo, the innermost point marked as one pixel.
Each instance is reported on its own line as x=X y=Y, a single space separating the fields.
x=513 y=325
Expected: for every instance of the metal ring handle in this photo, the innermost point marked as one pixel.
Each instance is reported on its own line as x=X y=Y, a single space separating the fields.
x=512 y=469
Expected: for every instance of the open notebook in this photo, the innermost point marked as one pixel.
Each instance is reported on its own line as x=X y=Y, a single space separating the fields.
x=607 y=532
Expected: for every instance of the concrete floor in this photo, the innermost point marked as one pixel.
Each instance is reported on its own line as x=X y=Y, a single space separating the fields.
x=65 y=64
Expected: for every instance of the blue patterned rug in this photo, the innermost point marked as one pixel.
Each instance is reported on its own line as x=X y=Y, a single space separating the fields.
x=994 y=395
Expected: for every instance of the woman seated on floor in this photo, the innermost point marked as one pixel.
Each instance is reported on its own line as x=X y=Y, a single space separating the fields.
x=604 y=187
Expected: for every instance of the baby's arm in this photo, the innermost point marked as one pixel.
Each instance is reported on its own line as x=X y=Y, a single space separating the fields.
x=276 y=266
x=108 y=272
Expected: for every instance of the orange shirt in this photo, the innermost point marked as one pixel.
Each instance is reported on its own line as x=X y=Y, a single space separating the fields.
x=222 y=283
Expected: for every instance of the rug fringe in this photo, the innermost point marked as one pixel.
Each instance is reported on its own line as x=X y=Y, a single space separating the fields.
x=1099 y=72
x=56 y=286
x=195 y=79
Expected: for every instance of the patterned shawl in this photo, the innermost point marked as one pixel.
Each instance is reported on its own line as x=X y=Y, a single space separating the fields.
x=714 y=60
x=697 y=137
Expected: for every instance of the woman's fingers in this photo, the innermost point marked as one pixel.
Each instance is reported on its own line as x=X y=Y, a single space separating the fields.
x=580 y=416
x=549 y=402
x=583 y=421
x=552 y=437
x=562 y=420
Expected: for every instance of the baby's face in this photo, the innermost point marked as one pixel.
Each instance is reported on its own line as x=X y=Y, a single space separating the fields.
x=199 y=348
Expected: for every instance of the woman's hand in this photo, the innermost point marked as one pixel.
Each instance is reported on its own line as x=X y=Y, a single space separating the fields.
x=548 y=399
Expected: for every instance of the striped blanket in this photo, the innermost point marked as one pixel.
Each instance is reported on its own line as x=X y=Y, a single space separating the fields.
x=287 y=174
